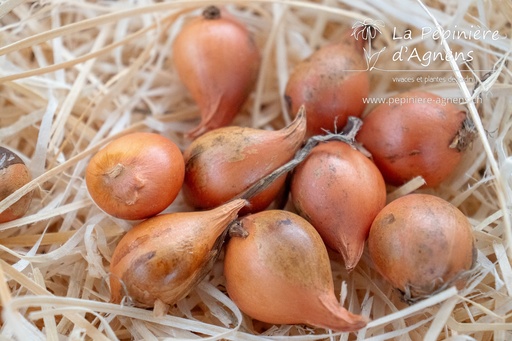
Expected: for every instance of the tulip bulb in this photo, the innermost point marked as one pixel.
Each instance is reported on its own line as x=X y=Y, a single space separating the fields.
x=14 y=174
x=339 y=191
x=136 y=176
x=227 y=161
x=218 y=62
x=417 y=133
x=281 y=274
x=165 y=256
x=332 y=84
x=422 y=244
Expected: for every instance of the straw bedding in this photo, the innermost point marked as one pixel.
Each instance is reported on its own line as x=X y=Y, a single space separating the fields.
x=76 y=74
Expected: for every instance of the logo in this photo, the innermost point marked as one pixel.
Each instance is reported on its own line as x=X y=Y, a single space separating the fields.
x=367 y=30
x=430 y=55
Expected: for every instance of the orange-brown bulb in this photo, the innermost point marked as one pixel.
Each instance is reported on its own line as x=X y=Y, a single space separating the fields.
x=332 y=84
x=339 y=191
x=136 y=176
x=218 y=62
x=421 y=243
x=227 y=161
x=164 y=257
x=280 y=273
x=415 y=133
x=14 y=174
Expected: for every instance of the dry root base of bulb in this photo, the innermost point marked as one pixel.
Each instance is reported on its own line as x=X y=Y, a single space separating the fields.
x=413 y=294
x=465 y=136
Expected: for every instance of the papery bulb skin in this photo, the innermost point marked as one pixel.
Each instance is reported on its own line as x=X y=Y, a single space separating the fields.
x=218 y=61
x=339 y=191
x=225 y=162
x=332 y=84
x=165 y=256
x=280 y=273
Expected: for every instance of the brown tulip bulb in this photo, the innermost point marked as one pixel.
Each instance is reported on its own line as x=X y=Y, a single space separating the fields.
x=14 y=174
x=165 y=256
x=227 y=161
x=218 y=62
x=280 y=273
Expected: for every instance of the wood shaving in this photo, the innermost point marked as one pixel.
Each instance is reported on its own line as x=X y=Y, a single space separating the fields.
x=75 y=75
